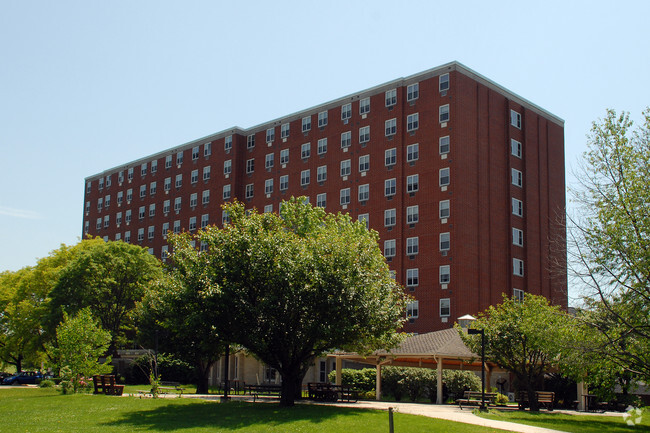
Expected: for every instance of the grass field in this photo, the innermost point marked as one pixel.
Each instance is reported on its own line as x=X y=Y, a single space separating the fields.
x=46 y=410
x=571 y=423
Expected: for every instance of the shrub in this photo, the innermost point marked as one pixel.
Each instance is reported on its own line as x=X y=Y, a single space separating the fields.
x=360 y=380
x=46 y=383
x=501 y=399
x=459 y=381
x=169 y=367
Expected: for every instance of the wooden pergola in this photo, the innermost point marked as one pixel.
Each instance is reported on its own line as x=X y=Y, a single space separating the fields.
x=435 y=350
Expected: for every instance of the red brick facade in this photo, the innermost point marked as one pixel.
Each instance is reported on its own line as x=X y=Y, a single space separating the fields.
x=458 y=143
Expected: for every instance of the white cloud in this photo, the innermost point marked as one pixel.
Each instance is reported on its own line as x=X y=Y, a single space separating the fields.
x=20 y=213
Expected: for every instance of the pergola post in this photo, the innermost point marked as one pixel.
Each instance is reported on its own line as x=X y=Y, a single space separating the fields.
x=339 y=367
x=582 y=390
x=378 y=383
x=439 y=381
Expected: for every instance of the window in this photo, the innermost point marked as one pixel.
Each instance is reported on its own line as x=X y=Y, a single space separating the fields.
x=250 y=141
x=195 y=176
x=249 y=191
x=515 y=119
x=127 y=236
x=345 y=196
x=284 y=131
x=152 y=210
x=390 y=187
x=205 y=218
x=365 y=219
x=444 y=176
x=227 y=167
x=445 y=274
x=270 y=135
x=143 y=171
x=412 y=246
x=305 y=177
x=107 y=202
x=412 y=122
x=517 y=207
x=321 y=200
x=129 y=174
x=226 y=192
x=153 y=187
x=305 y=150
x=518 y=267
x=195 y=153
x=346 y=167
x=364 y=106
x=517 y=237
x=167 y=184
x=177 y=227
x=154 y=166
x=346 y=111
x=206 y=173
x=445 y=307
x=321 y=173
x=207 y=150
x=166 y=206
x=391 y=97
x=99 y=224
x=412 y=214
x=390 y=156
x=412 y=183
x=284 y=156
x=227 y=144
x=412 y=277
x=118 y=218
x=284 y=182
x=322 y=146
x=88 y=204
x=306 y=124
x=168 y=161
x=518 y=294
x=390 y=217
x=364 y=134
x=346 y=139
x=129 y=195
x=515 y=148
x=322 y=119
x=192 y=225
x=179 y=158
x=412 y=310
x=413 y=92
x=120 y=197
x=179 y=180
x=143 y=191
x=516 y=176
x=141 y=212
x=443 y=113
x=140 y=234
x=88 y=186
x=445 y=243
x=120 y=179
x=250 y=165
x=268 y=186
x=443 y=82
x=164 y=253
x=268 y=160
x=108 y=177
x=443 y=145
x=150 y=232
x=364 y=163
x=412 y=152
x=107 y=221
x=177 y=204
x=443 y=209
x=268 y=208
x=391 y=127
x=205 y=196
x=390 y=248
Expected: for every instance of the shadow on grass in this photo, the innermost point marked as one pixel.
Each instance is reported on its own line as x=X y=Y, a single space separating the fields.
x=566 y=422
x=227 y=416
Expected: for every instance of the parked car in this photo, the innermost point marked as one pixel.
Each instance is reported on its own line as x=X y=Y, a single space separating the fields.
x=24 y=377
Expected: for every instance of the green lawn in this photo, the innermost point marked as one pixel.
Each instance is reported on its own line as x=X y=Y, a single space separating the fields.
x=45 y=410
x=570 y=423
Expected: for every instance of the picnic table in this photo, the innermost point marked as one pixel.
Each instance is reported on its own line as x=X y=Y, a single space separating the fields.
x=105 y=383
x=473 y=398
x=321 y=391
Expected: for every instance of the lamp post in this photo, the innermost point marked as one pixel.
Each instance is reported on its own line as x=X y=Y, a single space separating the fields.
x=475 y=332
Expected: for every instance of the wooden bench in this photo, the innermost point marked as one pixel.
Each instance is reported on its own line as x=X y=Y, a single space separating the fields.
x=106 y=384
x=327 y=392
x=266 y=389
x=544 y=399
x=166 y=387
x=473 y=398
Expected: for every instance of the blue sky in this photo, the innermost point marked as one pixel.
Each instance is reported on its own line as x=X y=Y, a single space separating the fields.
x=88 y=85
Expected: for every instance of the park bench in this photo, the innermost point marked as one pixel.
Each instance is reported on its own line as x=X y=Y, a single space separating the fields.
x=473 y=398
x=266 y=389
x=327 y=392
x=106 y=384
x=544 y=399
x=166 y=387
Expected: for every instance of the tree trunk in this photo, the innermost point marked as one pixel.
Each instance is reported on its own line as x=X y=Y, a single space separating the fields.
x=532 y=396
x=291 y=386
x=203 y=374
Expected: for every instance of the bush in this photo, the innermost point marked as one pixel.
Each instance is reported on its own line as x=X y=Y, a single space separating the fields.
x=501 y=399
x=46 y=383
x=360 y=380
x=459 y=381
x=170 y=368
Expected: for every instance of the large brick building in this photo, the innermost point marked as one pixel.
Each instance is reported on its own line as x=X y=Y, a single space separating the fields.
x=462 y=179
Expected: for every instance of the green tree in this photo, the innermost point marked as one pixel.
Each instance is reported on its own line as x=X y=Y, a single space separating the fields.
x=610 y=238
x=524 y=337
x=80 y=342
x=109 y=278
x=291 y=287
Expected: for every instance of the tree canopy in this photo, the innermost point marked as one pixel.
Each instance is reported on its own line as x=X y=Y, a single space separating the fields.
x=290 y=287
